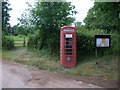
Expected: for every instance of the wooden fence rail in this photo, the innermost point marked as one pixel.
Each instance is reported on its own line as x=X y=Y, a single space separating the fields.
x=18 y=40
x=22 y=43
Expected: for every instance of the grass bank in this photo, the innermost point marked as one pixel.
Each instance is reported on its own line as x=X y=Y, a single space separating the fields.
x=42 y=60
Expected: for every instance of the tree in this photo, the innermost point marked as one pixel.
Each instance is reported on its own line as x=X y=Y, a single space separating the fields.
x=104 y=15
x=52 y=14
x=21 y=30
x=48 y=18
x=24 y=20
x=77 y=25
x=5 y=17
x=7 y=43
x=15 y=30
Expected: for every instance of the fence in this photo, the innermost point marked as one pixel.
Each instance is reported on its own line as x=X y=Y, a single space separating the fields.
x=22 y=43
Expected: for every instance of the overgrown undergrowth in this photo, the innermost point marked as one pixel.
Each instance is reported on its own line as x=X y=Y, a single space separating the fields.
x=106 y=68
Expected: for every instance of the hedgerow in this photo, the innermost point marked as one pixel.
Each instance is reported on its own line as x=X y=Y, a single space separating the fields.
x=85 y=42
x=7 y=43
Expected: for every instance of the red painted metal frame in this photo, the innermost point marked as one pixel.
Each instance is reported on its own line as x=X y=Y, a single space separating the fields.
x=63 y=56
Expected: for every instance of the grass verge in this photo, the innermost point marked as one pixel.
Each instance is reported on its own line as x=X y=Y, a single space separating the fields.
x=107 y=66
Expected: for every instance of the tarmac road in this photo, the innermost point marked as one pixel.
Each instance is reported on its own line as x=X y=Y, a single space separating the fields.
x=20 y=76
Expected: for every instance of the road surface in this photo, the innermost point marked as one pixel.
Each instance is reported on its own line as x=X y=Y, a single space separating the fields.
x=15 y=75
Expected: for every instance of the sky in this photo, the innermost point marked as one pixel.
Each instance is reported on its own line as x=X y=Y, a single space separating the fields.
x=19 y=6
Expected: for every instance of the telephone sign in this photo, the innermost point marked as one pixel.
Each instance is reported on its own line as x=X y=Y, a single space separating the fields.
x=68 y=29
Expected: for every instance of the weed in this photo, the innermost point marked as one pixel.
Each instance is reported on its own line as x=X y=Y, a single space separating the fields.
x=42 y=60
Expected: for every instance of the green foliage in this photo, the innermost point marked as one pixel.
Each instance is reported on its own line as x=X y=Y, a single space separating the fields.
x=5 y=17
x=103 y=15
x=102 y=18
x=77 y=25
x=33 y=42
x=7 y=43
x=24 y=20
x=48 y=18
x=18 y=40
x=51 y=15
x=22 y=30
x=86 y=42
x=114 y=42
x=24 y=27
x=19 y=37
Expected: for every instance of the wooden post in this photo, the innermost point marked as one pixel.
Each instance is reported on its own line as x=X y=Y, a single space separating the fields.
x=24 y=42
x=96 y=55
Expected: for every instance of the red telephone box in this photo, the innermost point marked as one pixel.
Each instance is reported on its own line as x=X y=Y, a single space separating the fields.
x=68 y=46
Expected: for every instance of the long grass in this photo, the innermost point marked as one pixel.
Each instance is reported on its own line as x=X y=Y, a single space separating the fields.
x=106 y=68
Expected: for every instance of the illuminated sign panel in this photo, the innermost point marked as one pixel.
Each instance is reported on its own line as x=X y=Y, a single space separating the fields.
x=68 y=35
x=68 y=29
x=102 y=41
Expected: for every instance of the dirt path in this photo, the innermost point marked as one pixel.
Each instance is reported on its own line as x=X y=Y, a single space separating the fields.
x=0 y=74
x=20 y=76
x=19 y=51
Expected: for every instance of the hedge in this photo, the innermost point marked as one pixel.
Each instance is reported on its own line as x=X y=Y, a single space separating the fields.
x=7 y=43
